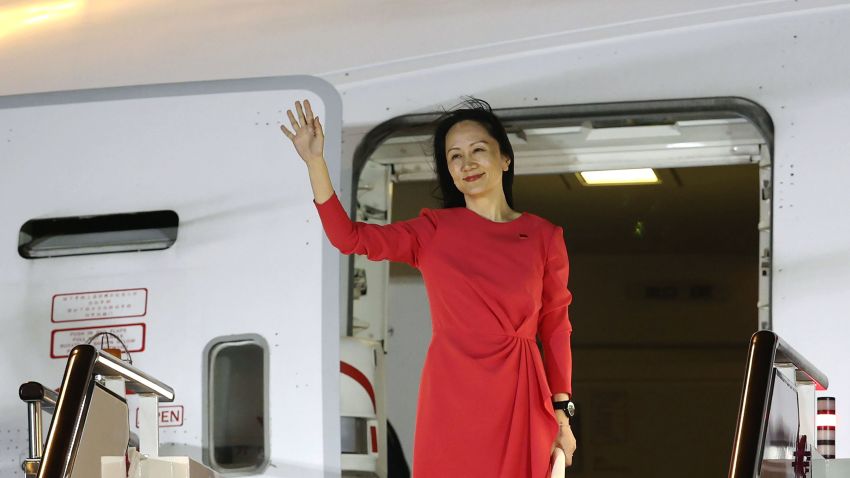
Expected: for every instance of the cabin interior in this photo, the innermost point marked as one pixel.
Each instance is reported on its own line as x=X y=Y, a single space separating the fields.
x=665 y=278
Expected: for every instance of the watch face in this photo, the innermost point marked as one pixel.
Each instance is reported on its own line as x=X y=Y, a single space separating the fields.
x=571 y=409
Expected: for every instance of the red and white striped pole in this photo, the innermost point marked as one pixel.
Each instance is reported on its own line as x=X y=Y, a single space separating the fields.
x=826 y=421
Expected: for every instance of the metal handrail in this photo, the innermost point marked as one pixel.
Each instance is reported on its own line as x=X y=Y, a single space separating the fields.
x=39 y=399
x=36 y=392
x=137 y=381
x=766 y=350
x=84 y=364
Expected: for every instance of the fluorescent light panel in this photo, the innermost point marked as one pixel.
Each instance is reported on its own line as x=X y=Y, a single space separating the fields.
x=554 y=130
x=619 y=177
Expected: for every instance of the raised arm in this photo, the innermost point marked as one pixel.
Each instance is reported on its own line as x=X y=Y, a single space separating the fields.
x=400 y=241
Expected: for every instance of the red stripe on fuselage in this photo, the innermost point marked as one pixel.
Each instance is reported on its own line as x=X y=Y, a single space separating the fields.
x=359 y=377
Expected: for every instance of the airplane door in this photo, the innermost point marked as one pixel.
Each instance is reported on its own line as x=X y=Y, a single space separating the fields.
x=241 y=265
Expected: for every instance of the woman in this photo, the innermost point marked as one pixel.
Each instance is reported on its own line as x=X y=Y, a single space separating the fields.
x=496 y=278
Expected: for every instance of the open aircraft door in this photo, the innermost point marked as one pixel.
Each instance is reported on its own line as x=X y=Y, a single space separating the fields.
x=177 y=221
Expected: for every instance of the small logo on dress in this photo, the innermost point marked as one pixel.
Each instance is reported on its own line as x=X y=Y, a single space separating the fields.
x=523 y=236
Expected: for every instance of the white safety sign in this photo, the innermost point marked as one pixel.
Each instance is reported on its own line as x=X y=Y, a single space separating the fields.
x=63 y=340
x=105 y=304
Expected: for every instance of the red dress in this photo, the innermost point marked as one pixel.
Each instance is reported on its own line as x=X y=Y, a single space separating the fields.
x=485 y=399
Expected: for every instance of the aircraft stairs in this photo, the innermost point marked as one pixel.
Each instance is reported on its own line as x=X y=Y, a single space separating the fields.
x=776 y=434
x=89 y=434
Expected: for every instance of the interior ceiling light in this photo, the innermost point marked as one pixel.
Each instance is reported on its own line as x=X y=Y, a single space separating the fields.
x=618 y=177
x=553 y=130
x=690 y=144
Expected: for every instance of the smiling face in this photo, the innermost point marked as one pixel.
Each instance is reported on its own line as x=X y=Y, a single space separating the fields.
x=474 y=160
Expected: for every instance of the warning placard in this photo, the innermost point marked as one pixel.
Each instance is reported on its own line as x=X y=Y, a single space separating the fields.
x=168 y=416
x=171 y=416
x=63 y=340
x=104 y=304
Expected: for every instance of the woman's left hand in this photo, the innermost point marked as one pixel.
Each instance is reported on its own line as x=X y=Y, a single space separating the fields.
x=565 y=440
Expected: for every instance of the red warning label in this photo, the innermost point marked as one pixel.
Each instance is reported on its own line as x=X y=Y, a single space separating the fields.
x=63 y=340
x=169 y=416
x=104 y=304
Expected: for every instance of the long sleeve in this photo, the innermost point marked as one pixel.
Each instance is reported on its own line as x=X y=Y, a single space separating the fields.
x=554 y=324
x=400 y=241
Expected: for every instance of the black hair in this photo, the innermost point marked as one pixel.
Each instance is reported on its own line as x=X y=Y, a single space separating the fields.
x=472 y=109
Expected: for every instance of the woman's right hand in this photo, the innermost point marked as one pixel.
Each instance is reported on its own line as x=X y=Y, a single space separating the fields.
x=307 y=135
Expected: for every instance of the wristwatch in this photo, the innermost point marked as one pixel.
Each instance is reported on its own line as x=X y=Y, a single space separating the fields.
x=568 y=406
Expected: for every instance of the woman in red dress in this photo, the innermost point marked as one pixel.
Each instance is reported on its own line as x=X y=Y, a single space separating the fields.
x=489 y=404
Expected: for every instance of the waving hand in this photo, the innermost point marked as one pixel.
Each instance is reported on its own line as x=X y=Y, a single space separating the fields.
x=306 y=135
x=309 y=140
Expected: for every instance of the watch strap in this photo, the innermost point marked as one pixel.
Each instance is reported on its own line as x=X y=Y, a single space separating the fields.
x=568 y=407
